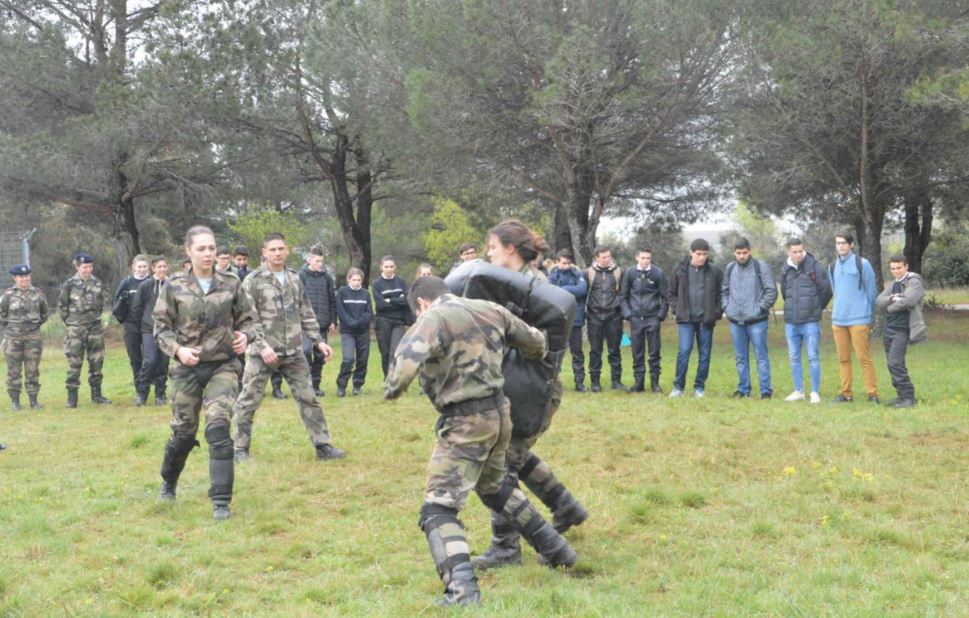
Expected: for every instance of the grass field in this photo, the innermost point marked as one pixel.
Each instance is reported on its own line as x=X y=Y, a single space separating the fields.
x=699 y=507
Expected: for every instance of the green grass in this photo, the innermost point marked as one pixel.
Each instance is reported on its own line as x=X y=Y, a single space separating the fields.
x=699 y=507
x=949 y=296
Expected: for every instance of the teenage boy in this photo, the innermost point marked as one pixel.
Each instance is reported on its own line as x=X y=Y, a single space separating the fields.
x=642 y=298
x=853 y=283
x=748 y=294
x=569 y=278
x=604 y=318
x=694 y=297
x=806 y=292
x=901 y=301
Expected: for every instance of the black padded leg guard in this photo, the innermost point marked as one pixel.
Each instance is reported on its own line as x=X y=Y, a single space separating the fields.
x=449 y=550
x=176 y=453
x=221 y=470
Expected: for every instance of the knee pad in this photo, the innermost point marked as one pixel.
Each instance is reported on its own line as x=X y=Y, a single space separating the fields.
x=220 y=443
x=183 y=442
x=435 y=515
x=497 y=501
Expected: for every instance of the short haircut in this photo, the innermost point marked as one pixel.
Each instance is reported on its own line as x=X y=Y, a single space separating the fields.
x=794 y=242
x=642 y=249
x=699 y=245
x=240 y=250
x=742 y=243
x=186 y=261
x=222 y=250
x=354 y=272
x=158 y=258
x=316 y=250
x=271 y=236
x=602 y=249
x=846 y=236
x=564 y=253
x=898 y=258
x=466 y=246
x=388 y=258
x=428 y=288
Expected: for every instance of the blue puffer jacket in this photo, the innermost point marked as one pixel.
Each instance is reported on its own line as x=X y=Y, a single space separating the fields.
x=574 y=283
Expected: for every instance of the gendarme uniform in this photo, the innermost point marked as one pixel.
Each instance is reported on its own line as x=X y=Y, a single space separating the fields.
x=193 y=313
x=80 y=305
x=457 y=347
x=537 y=475
x=22 y=311
x=285 y=316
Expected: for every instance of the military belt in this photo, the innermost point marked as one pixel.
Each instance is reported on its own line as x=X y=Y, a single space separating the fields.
x=473 y=406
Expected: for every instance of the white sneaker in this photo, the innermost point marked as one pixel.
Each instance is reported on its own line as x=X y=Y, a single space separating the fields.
x=815 y=397
x=676 y=393
x=795 y=396
x=698 y=393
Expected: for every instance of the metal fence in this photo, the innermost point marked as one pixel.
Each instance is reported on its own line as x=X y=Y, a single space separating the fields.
x=14 y=249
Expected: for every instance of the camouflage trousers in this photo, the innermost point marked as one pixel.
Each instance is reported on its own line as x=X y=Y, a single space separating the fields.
x=296 y=371
x=84 y=339
x=23 y=353
x=209 y=386
x=469 y=455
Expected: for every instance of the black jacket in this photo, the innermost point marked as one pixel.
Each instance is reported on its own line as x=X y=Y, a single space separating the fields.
x=679 y=293
x=602 y=302
x=144 y=304
x=321 y=292
x=390 y=299
x=642 y=294
x=806 y=291
x=129 y=285
x=353 y=308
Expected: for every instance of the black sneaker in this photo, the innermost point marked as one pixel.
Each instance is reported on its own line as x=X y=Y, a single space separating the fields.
x=241 y=454
x=278 y=394
x=580 y=388
x=595 y=388
x=905 y=403
x=891 y=402
x=167 y=492
x=328 y=451
x=221 y=513
x=740 y=395
x=873 y=399
x=139 y=401
x=341 y=392
x=842 y=399
x=356 y=391
x=319 y=392
x=618 y=386
x=161 y=400
x=766 y=395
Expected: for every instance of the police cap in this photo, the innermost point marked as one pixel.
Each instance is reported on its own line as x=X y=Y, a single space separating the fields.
x=20 y=269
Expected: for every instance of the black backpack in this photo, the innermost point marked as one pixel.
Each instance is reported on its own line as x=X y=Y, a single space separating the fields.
x=122 y=302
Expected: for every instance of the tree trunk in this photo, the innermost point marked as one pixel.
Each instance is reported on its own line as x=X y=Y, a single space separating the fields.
x=356 y=229
x=364 y=198
x=918 y=229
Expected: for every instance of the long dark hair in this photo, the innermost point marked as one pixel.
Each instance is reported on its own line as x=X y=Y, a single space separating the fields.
x=527 y=243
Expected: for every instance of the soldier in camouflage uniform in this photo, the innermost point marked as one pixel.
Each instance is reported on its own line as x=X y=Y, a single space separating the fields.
x=203 y=321
x=512 y=245
x=457 y=346
x=23 y=308
x=80 y=305
x=276 y=294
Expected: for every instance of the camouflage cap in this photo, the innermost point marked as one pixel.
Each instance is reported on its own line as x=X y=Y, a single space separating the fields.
x=20 y=269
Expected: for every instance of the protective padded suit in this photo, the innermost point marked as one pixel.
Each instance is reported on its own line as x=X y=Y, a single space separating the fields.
x=533 y=389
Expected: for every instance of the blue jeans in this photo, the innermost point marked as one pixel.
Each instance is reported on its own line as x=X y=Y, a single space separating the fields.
x=704 y=339
x=810 y=335
x=743 y=337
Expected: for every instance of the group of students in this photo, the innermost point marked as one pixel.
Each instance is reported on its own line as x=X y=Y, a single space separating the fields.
x=699 y=294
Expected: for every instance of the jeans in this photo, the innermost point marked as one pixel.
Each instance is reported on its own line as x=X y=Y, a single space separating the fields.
x=810 y=334
x=688 y=331
x=743 y=336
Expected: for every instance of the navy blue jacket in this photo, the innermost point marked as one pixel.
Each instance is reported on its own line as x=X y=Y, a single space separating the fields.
x=392 y=290
x=321 y=292
x=573 y=282
x=353 y=309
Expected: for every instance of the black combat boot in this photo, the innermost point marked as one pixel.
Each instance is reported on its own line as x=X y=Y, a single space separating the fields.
x=72 y=398
x=568 y=512
x=317 y=390
x=638 y=386
x=96 y=396
x=505 y=546
x=654 y=384
x=594 y=384
x=278 y=393
x=551 y=546
x=34 y=404
x=541 y=481
x=449 y=549
x=14 y=400
x=328 y=451
x=160 y=396
x=221 y=468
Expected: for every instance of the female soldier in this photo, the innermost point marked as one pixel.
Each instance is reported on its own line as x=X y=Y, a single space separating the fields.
x=424 y=270
x=23 y=310
x=512 y=245
x=203 y=321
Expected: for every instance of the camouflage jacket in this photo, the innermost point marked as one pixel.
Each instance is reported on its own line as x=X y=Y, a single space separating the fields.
x=185 y=316
x=283 y=311
x=22 y=311
x=457 y=347
x=82 y=302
